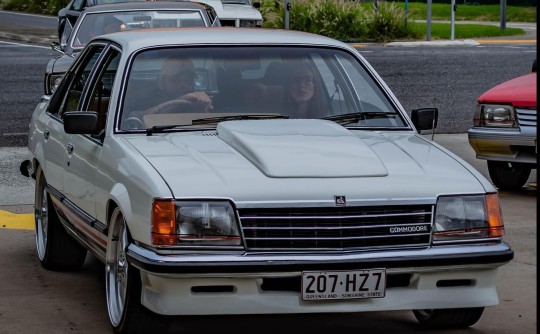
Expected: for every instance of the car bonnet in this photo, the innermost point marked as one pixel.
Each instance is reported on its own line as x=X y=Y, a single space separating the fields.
x=306 y=159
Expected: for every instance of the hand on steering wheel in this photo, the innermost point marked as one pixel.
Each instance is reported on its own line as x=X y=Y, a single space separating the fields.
x=191 y=102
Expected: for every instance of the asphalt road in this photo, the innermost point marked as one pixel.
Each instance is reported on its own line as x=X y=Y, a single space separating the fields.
x=448 y=78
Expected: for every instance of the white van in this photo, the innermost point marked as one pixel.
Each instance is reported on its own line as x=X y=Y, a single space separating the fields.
x=237 y=13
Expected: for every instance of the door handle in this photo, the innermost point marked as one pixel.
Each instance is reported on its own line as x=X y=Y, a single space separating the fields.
x=70 y=148
x=46 y=134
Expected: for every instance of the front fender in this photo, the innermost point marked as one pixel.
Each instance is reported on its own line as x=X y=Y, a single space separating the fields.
x=119 y=196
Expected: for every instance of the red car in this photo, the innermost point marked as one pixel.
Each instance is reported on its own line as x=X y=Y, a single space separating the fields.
x=504 y=131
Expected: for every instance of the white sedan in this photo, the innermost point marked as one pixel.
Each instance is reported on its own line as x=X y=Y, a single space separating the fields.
x=242 y=171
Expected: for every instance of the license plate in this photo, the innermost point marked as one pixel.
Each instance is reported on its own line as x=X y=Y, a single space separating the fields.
x=317 y=285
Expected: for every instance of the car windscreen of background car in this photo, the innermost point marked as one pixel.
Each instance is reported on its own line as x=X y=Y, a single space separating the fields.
x=96 y=24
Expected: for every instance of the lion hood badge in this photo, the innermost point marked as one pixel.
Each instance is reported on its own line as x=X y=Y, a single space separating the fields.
x=340 y=200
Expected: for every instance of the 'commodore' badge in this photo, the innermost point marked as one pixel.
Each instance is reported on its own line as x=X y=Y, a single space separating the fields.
x=340 y=200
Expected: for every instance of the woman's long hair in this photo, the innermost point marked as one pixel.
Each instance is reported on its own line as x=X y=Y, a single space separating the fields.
x=317 y=107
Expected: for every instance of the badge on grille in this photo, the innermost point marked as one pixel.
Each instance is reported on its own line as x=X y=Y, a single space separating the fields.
x=340 y=200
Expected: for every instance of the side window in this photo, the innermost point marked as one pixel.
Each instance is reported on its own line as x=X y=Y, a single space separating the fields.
x=68 y=28
x=212 y=15
x=101 y=89
x=78 y=5
x=79 y=79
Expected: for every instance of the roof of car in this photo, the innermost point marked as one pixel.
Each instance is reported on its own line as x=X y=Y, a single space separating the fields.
x=144 y=5
x=137 y=39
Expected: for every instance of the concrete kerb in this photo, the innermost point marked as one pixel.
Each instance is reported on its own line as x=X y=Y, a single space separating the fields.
x=47 y=36
x=464 y=42
x=467 y=42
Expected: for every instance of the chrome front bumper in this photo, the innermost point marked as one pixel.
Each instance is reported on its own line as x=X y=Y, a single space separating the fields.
x=232 y=264
x=504 y=144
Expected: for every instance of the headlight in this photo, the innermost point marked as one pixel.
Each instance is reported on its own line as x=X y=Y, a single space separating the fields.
x=466 y=218
x=54 y=81
x=194 y=223
x=493 y=115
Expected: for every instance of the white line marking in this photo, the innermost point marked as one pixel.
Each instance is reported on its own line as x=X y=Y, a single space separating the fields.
x=29 y=45
x=26 y=14
x=15 y=134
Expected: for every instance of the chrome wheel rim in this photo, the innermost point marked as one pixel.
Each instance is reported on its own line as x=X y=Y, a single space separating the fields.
x=116 y=269
x=42 y=223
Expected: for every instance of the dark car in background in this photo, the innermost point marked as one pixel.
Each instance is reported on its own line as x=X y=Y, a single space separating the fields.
x=67 y=16
x=73 y=9
x=108 y=18
x=504 y=131
x=237 y=13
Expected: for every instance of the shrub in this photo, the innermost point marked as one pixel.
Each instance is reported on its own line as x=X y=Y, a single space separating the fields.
x=388 y=23
x=48 y=7
x=340 y=19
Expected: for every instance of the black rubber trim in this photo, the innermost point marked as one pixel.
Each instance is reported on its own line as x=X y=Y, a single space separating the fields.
x=86 y=218
x=277 y=266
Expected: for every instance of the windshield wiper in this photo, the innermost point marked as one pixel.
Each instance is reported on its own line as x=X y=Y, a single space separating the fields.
x=210 y=120
x=161 y=128
x=354 y=117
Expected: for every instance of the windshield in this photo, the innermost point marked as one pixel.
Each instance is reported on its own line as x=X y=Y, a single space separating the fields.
x=96 y=24
x=177 y=87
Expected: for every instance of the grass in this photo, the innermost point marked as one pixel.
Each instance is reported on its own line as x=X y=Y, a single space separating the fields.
x=463 y=31
x=441 y=11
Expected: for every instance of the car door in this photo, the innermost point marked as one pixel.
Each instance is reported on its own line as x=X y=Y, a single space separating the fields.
x=51 y=123
x=50 y=127
x=84 y=151
x=68 y=97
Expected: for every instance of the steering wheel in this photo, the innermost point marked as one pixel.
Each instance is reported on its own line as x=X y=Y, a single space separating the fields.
x=134 y=123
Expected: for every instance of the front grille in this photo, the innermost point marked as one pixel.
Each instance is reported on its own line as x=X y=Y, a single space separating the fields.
x=336 y=229
x=526 y=117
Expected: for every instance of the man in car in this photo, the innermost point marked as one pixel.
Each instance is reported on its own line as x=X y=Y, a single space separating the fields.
x=176 y=89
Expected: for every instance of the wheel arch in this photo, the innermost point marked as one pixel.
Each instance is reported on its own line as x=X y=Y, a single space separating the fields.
x=138 y=228
x=37 y=156
x=119 y=198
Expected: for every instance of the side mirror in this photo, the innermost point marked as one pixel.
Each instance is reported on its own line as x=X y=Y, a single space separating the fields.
x=58 y=47
x=81 y=122
x=534 y=66
x=425 y=118
x=256 y=4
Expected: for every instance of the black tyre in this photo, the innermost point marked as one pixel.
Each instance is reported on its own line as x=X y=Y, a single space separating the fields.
x=123 y=286
x=56 y=249
x=508 y=175
x=448 y=318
